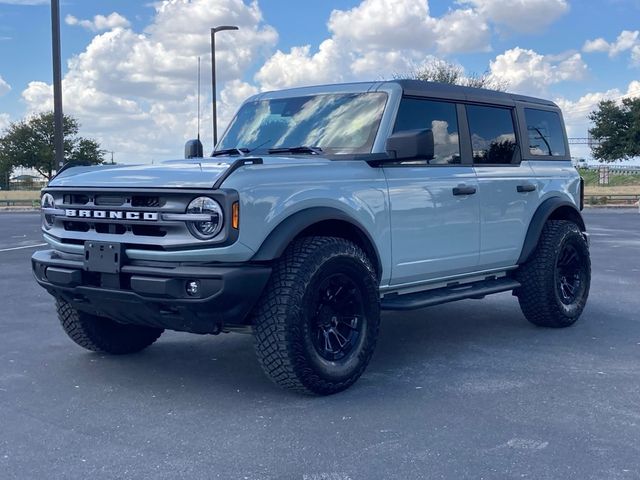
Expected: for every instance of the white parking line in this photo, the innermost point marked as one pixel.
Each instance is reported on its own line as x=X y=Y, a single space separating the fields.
x=20 y=248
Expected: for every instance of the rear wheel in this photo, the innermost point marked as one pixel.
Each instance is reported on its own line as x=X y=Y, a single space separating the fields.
x=556 y=281
x=317 y=323
x=100 y=334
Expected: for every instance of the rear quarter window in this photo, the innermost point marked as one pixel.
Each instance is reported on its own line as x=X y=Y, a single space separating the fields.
x=545 y=132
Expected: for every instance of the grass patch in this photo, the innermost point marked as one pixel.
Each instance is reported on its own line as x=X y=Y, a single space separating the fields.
x=19 y=195
x=591 y=179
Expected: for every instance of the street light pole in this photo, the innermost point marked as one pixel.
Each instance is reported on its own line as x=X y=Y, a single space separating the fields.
x=58 y=139
x=213 y=77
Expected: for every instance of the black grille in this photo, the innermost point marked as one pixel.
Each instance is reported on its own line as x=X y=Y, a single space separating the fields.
x=76 y=226
x=110 y=200
x=113 y=228
x=146 y=201
x=75 y=199
x=148 y=230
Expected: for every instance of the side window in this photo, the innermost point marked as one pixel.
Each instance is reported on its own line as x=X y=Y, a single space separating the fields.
x=493 y=137
x=441 y=118
x=546 y=135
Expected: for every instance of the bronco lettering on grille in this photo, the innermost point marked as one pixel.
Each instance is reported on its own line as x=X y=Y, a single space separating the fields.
x=111 y=214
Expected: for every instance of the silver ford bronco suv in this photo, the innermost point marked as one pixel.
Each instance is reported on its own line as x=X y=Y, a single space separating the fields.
x=320 y=207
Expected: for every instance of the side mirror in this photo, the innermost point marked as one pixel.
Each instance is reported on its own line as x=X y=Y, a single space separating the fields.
x=410 y=145
x=193 y=149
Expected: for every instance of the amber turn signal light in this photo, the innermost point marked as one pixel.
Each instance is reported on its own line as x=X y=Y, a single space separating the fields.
x=235 y=215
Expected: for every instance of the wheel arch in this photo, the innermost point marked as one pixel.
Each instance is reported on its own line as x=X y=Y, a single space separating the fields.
x=554 y=208
x=324 y=221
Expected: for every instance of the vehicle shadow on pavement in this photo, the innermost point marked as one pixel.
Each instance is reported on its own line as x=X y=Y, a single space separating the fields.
x=427 y=346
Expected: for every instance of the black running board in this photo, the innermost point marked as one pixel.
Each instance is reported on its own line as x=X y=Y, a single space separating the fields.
x=411 y=301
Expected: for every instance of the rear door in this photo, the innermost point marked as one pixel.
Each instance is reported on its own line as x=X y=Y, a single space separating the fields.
x=434 y=208
x=506 y=185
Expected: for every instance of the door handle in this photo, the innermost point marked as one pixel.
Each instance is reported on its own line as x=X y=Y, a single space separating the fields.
x=527 y=187
x=464 y=190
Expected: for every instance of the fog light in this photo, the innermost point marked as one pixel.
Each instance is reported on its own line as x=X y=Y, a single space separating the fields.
x=193 y=288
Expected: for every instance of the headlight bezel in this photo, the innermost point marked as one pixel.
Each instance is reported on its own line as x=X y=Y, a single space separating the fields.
x=206 y=231
x=47 y=201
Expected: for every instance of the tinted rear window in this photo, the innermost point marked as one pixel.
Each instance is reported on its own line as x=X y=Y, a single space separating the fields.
x=546 y=136
x=493 y=136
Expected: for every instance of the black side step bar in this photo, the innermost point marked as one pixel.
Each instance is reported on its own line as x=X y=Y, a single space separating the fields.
x=411 y=301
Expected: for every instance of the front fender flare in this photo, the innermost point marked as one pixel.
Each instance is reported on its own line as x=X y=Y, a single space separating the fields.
x=284 y=233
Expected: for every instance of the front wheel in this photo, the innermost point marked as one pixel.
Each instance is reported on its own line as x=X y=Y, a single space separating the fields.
x=317 y=322
x=556 y=280
x=101 y=334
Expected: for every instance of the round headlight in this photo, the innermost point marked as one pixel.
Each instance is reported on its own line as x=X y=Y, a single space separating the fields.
x=205 y=230
x=47 y=201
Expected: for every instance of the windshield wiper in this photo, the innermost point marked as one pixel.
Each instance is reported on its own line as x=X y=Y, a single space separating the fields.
x=230 y=151
x=299 y=149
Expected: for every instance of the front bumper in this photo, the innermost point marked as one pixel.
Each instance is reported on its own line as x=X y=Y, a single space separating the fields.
x=154 y=295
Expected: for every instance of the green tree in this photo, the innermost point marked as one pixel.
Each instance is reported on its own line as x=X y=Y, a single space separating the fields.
x=87 y=152
x=616 y=129
x=442 y=71
x=29 y=143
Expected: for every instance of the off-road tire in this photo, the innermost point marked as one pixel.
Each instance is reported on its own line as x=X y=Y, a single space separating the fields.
x=540 y=295
x=284 y=320
x=100 y=334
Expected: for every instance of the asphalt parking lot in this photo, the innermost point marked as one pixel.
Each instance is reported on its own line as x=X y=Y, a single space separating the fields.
x=464 y=390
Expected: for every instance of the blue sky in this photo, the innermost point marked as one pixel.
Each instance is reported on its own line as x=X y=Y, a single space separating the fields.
x=130 y=66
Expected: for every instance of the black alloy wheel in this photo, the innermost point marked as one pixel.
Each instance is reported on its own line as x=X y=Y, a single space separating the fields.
x=339 y=317
x=570 y=273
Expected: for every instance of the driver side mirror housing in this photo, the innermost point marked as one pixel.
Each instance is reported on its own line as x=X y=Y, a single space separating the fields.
x=193 y=148
x=411 y=145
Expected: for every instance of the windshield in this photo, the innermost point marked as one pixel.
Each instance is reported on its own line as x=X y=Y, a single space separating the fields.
x=336 y=123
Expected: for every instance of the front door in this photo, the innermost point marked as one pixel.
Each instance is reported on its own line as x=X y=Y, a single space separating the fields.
x=434 y=206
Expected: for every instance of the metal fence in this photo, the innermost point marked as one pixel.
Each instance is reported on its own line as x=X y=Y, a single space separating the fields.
x=616 y=169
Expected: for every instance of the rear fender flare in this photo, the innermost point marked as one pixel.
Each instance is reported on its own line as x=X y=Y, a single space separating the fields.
x=552 y=208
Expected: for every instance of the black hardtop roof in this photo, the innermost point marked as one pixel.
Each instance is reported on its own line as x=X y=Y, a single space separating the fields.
x=422 y=88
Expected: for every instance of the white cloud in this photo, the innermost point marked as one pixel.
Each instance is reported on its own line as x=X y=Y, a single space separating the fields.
x=627 y=41
x=300 y=67
x=597 y=45
x=376 y=39
x=635 y=54
x=392 y=25
x=99 y=22
x=384 y=24
x=5 y=120
x=136 y=91
x=526 y=16
x=462 y=31
x=529 y=72
x=4 y=87
x=380 y=65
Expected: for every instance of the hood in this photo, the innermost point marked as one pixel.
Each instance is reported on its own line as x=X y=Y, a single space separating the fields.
x=200 y=173
x=192 y=173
